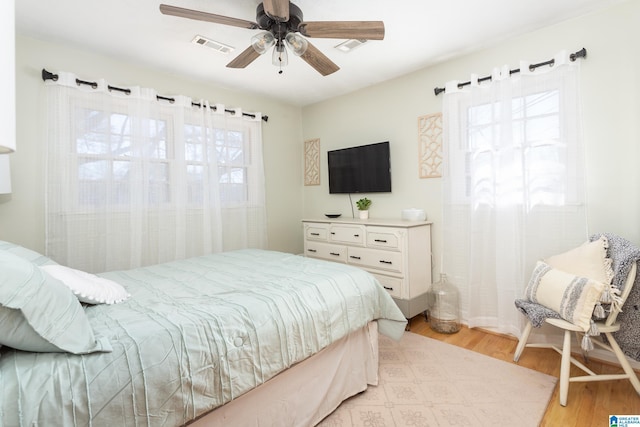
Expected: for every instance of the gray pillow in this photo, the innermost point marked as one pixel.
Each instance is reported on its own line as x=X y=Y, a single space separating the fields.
x=39 y=313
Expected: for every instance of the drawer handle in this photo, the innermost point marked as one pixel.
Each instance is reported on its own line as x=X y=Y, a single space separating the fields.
x=385 y=262
x=311 y=250
x=354 y=257
x=334 y=254
x=380 y=240
x=315 y=234
x=356 y=235
x=388 y=288
x=333 y=232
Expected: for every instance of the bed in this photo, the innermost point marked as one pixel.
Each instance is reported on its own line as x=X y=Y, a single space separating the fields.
x=249 y=337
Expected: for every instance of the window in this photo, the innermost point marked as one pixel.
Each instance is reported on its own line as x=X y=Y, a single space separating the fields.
x=513 y=184
x=231 y=150
x=135 y=179
x=106 y=160
x=233 y=161
x=528 y=154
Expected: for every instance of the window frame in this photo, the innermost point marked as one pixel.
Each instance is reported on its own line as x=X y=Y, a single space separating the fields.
x=175 y=157
x=465 y=193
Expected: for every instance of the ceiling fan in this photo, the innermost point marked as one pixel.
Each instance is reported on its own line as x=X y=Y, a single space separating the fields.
x=282 y=25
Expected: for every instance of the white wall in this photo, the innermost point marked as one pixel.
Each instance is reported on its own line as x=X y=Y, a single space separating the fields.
x=22 y=212
x=389 y=111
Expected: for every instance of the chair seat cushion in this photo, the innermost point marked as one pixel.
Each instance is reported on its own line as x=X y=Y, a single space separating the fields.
x=572 y=297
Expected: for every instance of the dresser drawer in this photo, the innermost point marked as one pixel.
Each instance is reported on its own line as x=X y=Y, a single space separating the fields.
x=316 y=231
x=326 y=251
x=382 y=237
x=378 y=259
x=393 y=285
x=350 y=234
x=397 y=253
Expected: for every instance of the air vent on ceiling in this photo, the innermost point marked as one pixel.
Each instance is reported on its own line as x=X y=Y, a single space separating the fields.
x=212 y=44
x=349 y=45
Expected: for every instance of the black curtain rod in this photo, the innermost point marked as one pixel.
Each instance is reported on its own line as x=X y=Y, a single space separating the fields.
x=214 y=108
x=47 y=75
x=582 y=53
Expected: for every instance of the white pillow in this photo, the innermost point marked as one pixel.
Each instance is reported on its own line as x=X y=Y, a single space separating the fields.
x=587 y=260
x=88 y=287
x=572 y=297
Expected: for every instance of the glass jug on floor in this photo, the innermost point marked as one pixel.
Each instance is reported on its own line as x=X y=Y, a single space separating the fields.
x=443 y=303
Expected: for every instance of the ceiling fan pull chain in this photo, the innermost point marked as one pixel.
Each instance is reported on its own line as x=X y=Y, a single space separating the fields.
x=280 y=61
x=279 y=57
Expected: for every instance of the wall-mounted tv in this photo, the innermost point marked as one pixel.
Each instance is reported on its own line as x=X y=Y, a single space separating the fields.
x=361 y=169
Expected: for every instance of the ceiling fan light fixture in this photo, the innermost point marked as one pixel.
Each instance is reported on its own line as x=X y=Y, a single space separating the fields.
x=296 y=43
x=279 y=58
x=261 y=42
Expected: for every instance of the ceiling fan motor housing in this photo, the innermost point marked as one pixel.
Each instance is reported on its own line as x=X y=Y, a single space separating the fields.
x=279 y=29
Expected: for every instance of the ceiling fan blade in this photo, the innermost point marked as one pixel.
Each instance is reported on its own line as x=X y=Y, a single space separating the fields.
x=245 y=58
x=277 y=10
x=361 y=30
x=319 y=61
x=205 y=16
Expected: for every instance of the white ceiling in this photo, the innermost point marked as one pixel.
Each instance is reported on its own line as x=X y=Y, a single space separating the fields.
x=418 y=33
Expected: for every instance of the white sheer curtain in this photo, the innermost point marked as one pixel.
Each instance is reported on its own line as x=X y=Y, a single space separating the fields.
x=134 y=180
x=513 y=184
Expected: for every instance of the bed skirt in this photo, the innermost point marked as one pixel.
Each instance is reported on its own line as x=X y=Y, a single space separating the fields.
x=309 y=391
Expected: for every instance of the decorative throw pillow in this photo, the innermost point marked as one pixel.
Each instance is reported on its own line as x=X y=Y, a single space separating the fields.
x=88 y=287
x=572 y=297
x=40 y=314
x=587 y=260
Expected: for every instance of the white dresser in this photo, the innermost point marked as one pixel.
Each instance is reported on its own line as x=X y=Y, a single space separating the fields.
x=396 y=252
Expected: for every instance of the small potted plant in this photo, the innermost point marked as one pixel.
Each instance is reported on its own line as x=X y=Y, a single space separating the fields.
x=363 y=206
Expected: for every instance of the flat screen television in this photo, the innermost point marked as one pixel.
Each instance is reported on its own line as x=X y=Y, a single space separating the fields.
x=361 y=169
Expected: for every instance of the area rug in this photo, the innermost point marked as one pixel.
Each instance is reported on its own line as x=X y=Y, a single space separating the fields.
x=425 y=382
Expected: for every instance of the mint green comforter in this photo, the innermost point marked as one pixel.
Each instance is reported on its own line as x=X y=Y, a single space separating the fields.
x=194 y=335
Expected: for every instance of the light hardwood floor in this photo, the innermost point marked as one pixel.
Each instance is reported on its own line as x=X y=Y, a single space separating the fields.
x=588 y=404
